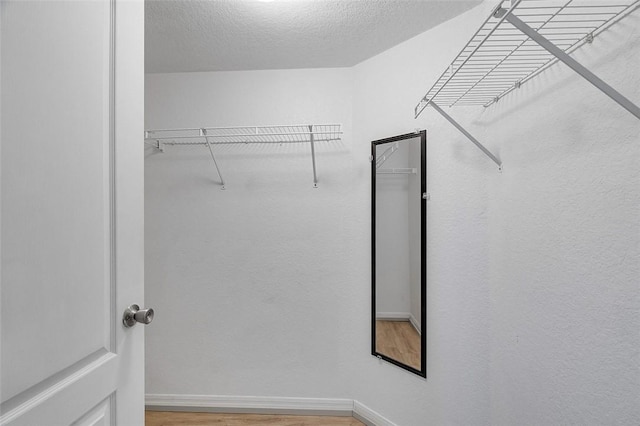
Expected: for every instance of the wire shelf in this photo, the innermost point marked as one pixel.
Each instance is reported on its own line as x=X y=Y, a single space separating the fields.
x=499 y=58
x=209 y=136
x=302 y=133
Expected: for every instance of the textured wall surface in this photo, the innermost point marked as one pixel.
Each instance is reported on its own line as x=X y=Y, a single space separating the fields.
x=533 y=290
x=533 y=273
x=253 y=284
x=457 y=388
x=565 y=243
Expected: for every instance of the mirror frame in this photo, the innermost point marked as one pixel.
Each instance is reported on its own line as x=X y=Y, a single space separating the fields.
x=422 y=134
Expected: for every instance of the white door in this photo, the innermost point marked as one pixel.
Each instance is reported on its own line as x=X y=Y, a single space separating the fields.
x=72 y=212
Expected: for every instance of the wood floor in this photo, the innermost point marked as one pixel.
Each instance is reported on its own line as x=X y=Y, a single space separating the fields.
x=166 y=418
x=398 y=340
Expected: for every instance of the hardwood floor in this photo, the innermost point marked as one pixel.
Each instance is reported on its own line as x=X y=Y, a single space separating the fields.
x=398 y=340
x=167 y=418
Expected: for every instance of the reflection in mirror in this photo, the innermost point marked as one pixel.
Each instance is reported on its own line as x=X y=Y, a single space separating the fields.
x=398 y=263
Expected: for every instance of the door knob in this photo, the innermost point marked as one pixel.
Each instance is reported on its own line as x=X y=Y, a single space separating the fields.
x=134 y=314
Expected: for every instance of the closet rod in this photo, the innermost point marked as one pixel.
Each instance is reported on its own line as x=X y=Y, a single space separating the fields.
x=397 y=171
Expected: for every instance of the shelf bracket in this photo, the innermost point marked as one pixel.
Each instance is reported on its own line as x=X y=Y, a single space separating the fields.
x=467 y=134
x=313 y=156
x=386 y=155
x=156 y=145
x=203 y=132
x=569 y=61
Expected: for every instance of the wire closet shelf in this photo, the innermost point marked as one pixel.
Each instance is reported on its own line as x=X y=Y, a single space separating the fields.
x=280 y=134
x=500 y=57
x=300 y=133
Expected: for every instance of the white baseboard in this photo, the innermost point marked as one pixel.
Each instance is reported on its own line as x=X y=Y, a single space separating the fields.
x=393 y=316
x=400 y=316
x=415 y=323
x=250 y=404
x=369 y=417
x=266 y=405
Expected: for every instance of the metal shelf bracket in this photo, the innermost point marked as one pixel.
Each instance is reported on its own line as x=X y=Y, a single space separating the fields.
x=569 y=61
x=509 y=50
x=157 y=145
x=203 y=132
x=467 y=134
x=313 y=156
x=386 y=155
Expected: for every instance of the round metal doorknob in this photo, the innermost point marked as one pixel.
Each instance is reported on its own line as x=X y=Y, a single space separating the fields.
x=134 y=314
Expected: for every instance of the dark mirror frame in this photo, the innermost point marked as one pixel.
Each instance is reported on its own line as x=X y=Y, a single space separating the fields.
x=423 y=248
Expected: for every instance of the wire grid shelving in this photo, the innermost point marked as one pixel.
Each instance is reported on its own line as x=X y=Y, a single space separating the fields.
x=499 y=58
x=302 y=133
x=282 y=134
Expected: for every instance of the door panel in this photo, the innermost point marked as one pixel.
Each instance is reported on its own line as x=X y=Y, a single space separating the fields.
x=55 y=191
x=99 y=416
x=65 y=189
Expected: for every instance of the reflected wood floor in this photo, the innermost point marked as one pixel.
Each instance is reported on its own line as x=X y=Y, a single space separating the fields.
x=398 y=340
x=167 y=418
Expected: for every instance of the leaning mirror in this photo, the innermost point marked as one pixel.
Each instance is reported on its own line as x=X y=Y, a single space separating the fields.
x=398 y=181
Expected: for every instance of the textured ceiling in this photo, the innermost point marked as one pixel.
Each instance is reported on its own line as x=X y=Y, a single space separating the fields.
x=218 y=35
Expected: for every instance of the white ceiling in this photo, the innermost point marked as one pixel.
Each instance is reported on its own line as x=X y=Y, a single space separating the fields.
x=220 y=35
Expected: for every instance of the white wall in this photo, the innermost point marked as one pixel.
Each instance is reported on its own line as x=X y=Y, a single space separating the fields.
x=457 y=388
x=533 y=302
x=252 y=285
x=564 y=233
